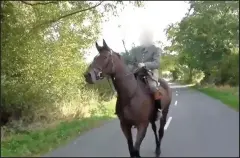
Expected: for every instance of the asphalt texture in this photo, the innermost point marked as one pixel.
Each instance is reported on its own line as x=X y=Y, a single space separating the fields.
x=198 y=126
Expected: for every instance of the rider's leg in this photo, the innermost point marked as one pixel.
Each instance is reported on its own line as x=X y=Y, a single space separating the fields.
x=157 y=98
x=154 y=88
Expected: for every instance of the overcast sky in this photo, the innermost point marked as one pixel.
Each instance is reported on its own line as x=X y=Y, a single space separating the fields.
x=156 y=15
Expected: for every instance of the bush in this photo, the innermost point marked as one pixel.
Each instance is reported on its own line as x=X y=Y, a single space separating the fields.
x=42 y=63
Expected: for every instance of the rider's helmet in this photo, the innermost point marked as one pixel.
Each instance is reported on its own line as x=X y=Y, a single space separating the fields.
x=146 y=37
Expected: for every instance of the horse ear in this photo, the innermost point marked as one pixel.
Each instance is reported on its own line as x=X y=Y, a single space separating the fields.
x=105 y=45
x=97 y=46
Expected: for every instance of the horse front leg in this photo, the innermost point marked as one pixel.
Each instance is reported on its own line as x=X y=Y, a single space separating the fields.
x=141 y=132
x=154 y=128
x=126 y=129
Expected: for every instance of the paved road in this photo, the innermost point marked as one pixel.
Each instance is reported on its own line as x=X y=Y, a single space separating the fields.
x=199 y=127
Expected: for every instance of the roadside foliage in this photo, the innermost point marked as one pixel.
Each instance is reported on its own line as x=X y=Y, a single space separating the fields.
x=206 y=43
x=42 y=46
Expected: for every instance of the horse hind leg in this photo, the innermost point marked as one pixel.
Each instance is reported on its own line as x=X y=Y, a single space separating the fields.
x=154 y=128
x=141 y=132
x=161 y=130
x=126 y=129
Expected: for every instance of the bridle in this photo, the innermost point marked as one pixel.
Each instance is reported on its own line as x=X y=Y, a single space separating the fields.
x=101 y=76
x=100 y=70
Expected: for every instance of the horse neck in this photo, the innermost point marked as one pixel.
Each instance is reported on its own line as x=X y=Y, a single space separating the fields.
x=124 y=80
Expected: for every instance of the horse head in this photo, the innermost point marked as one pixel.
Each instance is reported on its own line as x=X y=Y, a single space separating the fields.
x=103 y=64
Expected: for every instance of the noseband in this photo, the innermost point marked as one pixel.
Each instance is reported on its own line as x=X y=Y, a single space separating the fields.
x=100 y=70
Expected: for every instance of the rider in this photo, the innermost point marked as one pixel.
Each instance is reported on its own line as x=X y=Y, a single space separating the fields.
x=148 y=55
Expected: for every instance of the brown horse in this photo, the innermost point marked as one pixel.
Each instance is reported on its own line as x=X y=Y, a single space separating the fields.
x=135 y=104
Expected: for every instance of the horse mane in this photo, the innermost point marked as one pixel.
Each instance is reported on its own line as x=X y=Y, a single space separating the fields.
x=119 y=56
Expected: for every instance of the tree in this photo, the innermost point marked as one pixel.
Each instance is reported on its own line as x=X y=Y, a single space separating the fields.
x=43 y=44
x=206 y=37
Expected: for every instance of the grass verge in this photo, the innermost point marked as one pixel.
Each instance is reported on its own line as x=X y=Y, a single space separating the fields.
x=39 y=142
x=226 y=94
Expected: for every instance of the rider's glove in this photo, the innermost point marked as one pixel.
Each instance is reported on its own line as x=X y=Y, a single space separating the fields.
x=141 y=65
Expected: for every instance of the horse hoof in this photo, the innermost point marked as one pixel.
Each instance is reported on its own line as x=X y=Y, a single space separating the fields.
x=135 y=156
x=158 y=152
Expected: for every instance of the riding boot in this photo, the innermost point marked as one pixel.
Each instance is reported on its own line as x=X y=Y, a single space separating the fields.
x=158 y=104
x=157 y=97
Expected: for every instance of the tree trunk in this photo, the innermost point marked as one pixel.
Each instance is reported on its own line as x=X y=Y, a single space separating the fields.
x=190 y=75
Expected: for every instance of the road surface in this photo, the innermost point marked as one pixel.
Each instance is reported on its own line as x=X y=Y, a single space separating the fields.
x=197 y=126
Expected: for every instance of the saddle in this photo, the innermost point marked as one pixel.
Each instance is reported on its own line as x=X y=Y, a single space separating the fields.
x=142 y=74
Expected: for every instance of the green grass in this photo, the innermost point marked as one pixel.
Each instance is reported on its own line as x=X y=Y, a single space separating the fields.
x=40 y=142
x=227 y=95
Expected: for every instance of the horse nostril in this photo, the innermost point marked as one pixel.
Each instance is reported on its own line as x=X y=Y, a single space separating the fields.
x=100 y=74
x=89 y=74
x=86 y=75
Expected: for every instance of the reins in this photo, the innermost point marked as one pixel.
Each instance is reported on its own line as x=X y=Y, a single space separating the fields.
x=114 y=78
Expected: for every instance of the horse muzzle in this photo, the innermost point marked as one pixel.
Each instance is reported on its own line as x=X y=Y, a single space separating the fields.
x=92 y=77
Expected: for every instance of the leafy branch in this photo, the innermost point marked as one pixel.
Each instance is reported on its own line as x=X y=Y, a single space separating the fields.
x=49 y=22
x=67 y=15
x=39 y=3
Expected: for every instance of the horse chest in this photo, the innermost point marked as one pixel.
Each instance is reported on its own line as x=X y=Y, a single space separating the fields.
x=124 y=101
